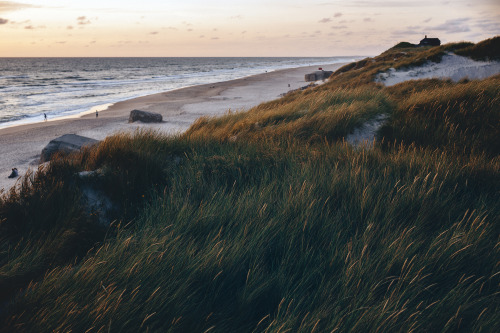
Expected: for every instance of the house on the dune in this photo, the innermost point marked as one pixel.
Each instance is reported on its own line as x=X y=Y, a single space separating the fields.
x=429 y=42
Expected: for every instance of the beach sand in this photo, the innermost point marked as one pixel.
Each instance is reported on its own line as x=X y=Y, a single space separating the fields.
x=20 y=146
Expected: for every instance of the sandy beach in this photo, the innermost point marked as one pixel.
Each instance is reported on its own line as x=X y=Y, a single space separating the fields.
x=20 y=146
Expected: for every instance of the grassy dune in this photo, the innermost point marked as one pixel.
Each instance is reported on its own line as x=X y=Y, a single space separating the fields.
x=267 y=221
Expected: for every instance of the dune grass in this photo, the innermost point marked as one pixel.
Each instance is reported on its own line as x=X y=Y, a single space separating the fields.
x=325 y=115
x=488 y=49
x=267 y=221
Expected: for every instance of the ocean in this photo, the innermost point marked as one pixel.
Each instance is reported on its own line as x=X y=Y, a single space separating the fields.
x=58 y=87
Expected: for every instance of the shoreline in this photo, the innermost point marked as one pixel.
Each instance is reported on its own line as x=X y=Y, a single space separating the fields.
x=22 y=144
x=110 y=99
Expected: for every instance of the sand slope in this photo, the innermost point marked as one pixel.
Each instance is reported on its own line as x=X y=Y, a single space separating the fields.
x=451 y=66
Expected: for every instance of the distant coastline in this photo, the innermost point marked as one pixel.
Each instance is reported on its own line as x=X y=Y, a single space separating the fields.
x=70 y=87
x=22 y=144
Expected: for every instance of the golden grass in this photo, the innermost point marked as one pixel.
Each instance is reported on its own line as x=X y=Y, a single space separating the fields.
x=266 y=221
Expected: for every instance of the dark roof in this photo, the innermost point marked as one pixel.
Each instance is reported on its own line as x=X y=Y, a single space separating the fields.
x=430 y=41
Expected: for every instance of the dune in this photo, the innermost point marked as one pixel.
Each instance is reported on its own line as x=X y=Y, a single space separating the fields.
x=452 y=67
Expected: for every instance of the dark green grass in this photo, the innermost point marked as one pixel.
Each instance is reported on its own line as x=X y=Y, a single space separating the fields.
x=488 y=49
x=266 y=221
x=246 y=237
x=463 y=117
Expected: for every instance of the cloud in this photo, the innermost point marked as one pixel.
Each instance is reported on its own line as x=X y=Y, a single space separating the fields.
x=154 y=33
x=236 y=17
x=215 y=38
x=3 y=21
x=453 y=26
x=9 y=6
x=339 y=27
x=367 y=19
x=337 y=15
x=69 y=27
x=488 y=26
x=428 y=20
x=82 y=20
x=31 y=27
x=325 y=20
x=202 y=36
x=395 y=4
x=407 y=32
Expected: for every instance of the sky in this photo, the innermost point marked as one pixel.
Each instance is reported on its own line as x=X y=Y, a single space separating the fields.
x=203 y=28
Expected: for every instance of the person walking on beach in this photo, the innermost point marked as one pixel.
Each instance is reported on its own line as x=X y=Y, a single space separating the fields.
x=45 y=117
x=96 y=114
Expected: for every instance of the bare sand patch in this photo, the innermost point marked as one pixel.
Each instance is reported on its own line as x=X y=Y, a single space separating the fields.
x=452 y=67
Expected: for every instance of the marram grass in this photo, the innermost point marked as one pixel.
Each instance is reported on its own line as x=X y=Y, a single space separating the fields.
x=267 y=221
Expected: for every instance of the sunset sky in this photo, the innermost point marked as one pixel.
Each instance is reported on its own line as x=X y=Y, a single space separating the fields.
x=32 y=28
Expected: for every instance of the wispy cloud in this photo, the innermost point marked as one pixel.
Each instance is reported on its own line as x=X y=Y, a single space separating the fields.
x=366 y=3
x=82 y=20
x=337 y=14
x=325 y=20
x=31 y=27
x=488 y=26
x=9 y=6
x=339 y=27
x=409 y=31
x=3 y=21
x=453 y=26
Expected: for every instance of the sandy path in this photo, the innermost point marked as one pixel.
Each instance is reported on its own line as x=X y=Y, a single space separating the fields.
x=20 y=146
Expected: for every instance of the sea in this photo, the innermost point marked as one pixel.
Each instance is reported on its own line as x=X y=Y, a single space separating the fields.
x=62 y=87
